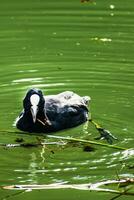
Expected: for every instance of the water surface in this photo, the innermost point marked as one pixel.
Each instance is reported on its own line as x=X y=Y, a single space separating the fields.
x=58 y=46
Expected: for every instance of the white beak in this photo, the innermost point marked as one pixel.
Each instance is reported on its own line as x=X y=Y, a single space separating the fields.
x=34 y=99
x=34 y=110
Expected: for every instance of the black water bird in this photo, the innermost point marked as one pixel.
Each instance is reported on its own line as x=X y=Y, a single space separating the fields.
x=53 y=112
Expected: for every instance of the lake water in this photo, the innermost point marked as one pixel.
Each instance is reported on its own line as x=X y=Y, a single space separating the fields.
x=63 y=45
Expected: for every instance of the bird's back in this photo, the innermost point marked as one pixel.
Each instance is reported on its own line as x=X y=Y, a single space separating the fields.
x=66 y=109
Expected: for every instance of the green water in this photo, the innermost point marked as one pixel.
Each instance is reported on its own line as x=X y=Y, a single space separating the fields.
x=63 y=45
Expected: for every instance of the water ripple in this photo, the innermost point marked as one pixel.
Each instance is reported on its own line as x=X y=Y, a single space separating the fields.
x=28 y=80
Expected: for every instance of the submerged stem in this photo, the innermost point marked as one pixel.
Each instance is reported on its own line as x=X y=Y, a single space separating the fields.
x=86 y=141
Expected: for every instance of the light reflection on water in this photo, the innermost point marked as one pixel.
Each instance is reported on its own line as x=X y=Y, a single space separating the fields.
x=28 y=80
x=128 y=154
x=45 y=85
x=42 y=168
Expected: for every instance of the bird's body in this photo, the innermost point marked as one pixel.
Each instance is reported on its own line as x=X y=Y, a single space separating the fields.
x=54 y=112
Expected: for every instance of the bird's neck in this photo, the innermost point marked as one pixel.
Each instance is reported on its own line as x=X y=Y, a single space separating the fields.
x=43 y=118
x=41 y=115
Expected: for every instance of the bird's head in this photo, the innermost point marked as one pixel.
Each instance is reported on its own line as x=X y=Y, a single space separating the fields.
x=34 y=102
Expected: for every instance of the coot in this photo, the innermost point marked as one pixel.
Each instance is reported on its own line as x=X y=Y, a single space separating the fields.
x=53 y=112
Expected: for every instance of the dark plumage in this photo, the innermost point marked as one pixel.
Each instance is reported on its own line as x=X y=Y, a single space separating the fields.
x=52 y=113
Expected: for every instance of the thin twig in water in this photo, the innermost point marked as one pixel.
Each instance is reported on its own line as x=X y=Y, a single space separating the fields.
x=85 y=141
x=125 y=192
x=12 y=195
x=91 y=187
x=74 y=140
x=41 y=122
